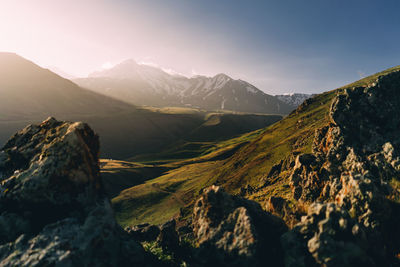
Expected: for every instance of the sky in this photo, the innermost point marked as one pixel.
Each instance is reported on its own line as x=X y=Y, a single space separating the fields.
x=279 y=46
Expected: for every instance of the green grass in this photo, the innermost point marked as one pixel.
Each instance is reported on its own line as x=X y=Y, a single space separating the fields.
x=184 y=152
x=159 y=199
x=294 y=133
x=254 y=155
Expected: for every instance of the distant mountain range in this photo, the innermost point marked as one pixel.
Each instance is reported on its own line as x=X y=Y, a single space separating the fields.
x=147 y=85
x=294 y=99
x=30 y=94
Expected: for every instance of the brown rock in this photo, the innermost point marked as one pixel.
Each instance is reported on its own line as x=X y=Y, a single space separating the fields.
x=232 y=231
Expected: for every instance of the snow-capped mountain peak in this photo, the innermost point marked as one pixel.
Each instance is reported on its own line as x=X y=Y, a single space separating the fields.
x=149 y=85
x=293 y=99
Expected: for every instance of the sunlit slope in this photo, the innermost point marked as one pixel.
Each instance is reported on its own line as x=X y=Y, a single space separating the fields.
x=30 y=94
x=158 y=199
x=295 y=133
x=203 y=139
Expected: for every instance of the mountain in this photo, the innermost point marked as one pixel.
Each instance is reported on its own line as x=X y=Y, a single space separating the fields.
x=29 y=94
x=147 y=85
x=319 y=188
x=61 y=73
x=294 y=99
x=29 y=91
x=338 y=149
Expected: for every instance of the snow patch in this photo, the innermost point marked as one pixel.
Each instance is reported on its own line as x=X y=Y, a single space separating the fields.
x=223 y=103
x=251 y=89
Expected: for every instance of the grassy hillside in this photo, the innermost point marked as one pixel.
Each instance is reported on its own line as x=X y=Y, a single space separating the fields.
x=206 y=137
x=160 y=198
x=295 y=133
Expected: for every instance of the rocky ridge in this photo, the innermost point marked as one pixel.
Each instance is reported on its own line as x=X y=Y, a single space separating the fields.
x=347 y=187
x=142 y=84
x=353 y=164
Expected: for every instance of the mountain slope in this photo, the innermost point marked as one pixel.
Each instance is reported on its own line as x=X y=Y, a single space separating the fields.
x=29 y=91
x=29 y=94
x=250 y=171
x=147 y=85
x=290 y=136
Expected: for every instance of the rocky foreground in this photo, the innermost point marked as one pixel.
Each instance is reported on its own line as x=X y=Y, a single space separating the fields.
x=53 y=210
x=52 y=205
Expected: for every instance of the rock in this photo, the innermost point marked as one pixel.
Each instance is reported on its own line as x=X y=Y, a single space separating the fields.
x=52 y=203
x=277 y=206
x=232 y=231
x=275 y=169
x=51 y=168
x=97 y=241
x=327 y=236
x=144 y=232
x=168 y=237
x=247 y=190
x=352 y=164
x=305 y=181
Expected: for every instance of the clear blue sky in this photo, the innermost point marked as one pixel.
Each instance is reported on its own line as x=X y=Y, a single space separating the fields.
x=280 y=46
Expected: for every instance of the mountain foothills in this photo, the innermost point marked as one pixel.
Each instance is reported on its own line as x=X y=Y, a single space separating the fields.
x=30 y=94
x=147 y=85
x=320 y=187
x=328 y=171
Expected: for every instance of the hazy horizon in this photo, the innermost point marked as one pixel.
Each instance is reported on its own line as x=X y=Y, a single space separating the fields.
x=280 y=47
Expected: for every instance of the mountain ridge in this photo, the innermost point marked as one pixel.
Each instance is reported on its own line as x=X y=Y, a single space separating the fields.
x=148 y=85
x=29 y=94
x=294 y=99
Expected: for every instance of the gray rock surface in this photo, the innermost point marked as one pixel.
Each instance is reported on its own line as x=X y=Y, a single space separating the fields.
x=53 y=208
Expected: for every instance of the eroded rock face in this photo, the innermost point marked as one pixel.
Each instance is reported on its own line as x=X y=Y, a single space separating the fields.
x=232 y=231
x=352 y=163
x=52 y=205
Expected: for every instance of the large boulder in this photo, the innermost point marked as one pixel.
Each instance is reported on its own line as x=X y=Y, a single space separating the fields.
x=53 y=210
x=232 y=231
